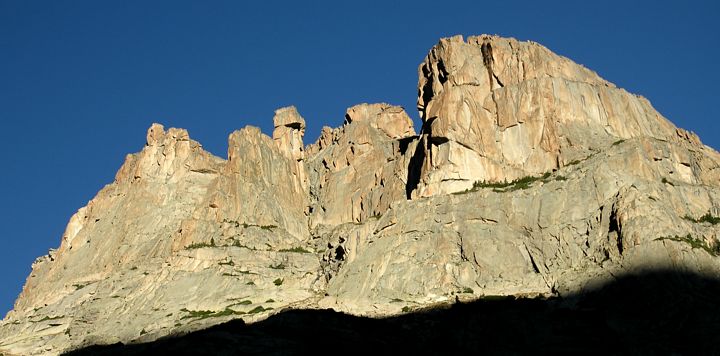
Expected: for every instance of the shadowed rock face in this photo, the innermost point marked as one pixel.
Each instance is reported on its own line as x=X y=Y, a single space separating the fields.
x=657 y=312
x=532 y=177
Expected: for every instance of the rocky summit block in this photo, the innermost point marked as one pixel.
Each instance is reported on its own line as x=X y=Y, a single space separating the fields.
x=497 y=109
x=531 y=177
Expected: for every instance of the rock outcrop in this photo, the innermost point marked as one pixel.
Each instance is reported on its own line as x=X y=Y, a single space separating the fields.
x=361 y=168
x=497 y=109
x=531 y=177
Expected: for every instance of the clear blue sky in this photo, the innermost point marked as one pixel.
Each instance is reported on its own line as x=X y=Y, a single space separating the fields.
x=80 y=81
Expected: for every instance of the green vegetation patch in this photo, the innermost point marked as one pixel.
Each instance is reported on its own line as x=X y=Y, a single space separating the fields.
x=517 y=184
x=204 y=314
x=578 y=161
x=713 y=250
x=264 y=227
x=201 y=244
x=278 y=281
x=258 y=309
x=295 y=249
x=707 y=218
x=237 y=243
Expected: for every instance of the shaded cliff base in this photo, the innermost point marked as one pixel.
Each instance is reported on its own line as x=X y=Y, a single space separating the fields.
x=655 y=312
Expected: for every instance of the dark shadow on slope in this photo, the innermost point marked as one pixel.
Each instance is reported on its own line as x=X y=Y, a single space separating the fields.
x=415 y=167
x=405 y=142
x=660 y=312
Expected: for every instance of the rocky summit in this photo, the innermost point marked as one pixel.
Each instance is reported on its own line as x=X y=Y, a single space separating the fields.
x=531 y=178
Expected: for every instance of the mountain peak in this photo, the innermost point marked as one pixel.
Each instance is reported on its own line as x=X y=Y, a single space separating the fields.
x=531 y=177
x=515 y=109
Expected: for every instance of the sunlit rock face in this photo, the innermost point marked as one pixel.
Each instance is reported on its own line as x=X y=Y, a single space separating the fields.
x=358 y=170
x=531 y=176
x=497 y=109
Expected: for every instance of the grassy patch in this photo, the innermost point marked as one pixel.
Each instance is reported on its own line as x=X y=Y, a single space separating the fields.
x=468 y=290
x=79 y=286
x=258 y=309
x=278 y=282
x=228 y=263
x=574 y=162
x=201 y=244
x=520 y=183
x=233 y=222
x=204 y=314
x=666 y=181
x=270 y=300
x=251 y=283
x=396 y=300
x=578 y=161
x=264 y=227
x=237 y=243
x=713 y=250
x=707 y=218
x=405 y=309
x=294 y=249
x=713 y=220
x=618 y=142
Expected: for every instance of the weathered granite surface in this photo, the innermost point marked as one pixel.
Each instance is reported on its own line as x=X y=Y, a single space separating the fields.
x=531 y=177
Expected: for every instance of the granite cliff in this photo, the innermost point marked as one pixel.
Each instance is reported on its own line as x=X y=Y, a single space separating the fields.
x=530 y=177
